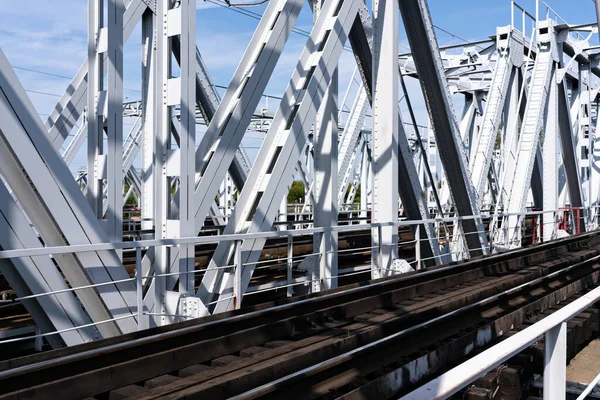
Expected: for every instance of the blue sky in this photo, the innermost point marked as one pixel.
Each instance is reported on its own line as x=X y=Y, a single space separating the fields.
x=51 y=36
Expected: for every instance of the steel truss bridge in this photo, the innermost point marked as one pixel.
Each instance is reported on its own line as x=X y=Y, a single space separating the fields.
x=515 y=165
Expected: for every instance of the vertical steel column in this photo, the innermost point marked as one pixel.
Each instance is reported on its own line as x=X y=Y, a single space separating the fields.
x=594 y=173
x=550 y=159
x=325 y=210
x=72 y=103
x=364 y=179
x=594 y=166
x=290 y=265
x=590 y=147
x=555 y=363
x=149 y=21
x=114 y=130
x=172 y=163
x=237 y=275
x=385 y=132
x=162 y=145
x=95 y=88
x=326 y=180
x=569 y=149
x=187 y=143
x=106 y=107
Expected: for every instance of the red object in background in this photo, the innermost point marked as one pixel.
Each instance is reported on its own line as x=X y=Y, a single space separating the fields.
x=563 y=223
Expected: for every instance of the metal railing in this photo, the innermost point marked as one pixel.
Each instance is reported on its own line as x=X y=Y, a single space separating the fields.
x=289 y=262
x=554 y=331
x=525 y=17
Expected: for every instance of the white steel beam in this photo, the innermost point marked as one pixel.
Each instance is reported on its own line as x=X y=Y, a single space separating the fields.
x=349 y=142
x=326 y=209
x=271 y=176
x=510 y=48
x=95 y=111
x=162 y=148
x=214 y=156
x=385 y=135
x=114 y=126
x=468 y=128
x=409 y=186
x=225 y=132
x=72 y=103
x=569 y=154
x=550 y=162
x=53 y=202
x=35 y=275
x=425 y=50
x=546 y=58
x=106 y=109
x=187 y=143
x=149 y=21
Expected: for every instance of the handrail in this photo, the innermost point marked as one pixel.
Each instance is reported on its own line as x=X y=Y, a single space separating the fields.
x=42 y=251
x=467 y=372
x=141 y=314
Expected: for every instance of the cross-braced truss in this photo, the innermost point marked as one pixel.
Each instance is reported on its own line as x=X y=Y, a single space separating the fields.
x=525 y=139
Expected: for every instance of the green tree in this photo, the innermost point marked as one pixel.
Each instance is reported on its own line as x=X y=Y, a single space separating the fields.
x=296 y=194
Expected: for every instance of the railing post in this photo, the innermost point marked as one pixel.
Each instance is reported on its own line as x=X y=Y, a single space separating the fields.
x=318 y=279
x=39 y=340
x=376 y=271
x=237 y=278
x=418 y=246
x=555 y=363
x=512 y=14
x=461 y=238
x=139 y=289
x=506 y=229
x=290 y=262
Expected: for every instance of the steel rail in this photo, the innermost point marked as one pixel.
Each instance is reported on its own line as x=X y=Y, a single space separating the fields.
x=352 y=293
x=348 y=356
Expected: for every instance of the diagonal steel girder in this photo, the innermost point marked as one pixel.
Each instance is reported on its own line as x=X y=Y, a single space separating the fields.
x=409 y=188
x=50 y=197
x=425 y=51
x=510 y=48
x=349 y=143
x=260 y=205
x=71 y=105
x=217 y=149
x=273 y=169
x=36 y=275
x=544 y=68
x=224 y=134
x=410 y=191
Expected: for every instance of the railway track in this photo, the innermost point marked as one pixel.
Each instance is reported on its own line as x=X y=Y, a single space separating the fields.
x=359 y=341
